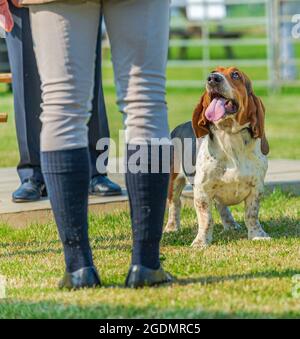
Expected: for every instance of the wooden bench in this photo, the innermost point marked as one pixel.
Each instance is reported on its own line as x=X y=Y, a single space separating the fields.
x=5 y=78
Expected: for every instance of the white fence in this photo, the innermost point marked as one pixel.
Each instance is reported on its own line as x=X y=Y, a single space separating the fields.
x=280 y=62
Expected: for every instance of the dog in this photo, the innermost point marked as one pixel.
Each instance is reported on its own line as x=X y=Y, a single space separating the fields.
x=228 y=152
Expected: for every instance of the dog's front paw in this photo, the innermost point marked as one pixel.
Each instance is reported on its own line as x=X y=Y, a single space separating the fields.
x=171 y=227
x=259 y=235
x=200 y=244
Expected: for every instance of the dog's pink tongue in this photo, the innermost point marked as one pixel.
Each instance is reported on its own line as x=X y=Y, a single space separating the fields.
x=216 y=110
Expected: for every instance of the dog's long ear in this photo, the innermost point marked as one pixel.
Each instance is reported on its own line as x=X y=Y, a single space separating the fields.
x=199 y=121
x=256 y=114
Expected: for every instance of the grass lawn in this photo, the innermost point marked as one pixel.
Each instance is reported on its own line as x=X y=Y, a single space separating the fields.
x=232 y=278
x=283 y=112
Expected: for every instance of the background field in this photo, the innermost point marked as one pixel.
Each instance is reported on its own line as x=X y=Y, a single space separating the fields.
x=283 y=110
x=282 y=121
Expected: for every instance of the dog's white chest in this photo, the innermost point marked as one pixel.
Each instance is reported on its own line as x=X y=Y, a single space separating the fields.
x=234 y=185
x=228 y=168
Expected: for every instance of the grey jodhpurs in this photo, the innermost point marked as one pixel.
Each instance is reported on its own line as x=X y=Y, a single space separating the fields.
x=65 y=37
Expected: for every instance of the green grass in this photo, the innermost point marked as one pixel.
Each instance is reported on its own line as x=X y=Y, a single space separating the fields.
x=234 y=278
x=282 y=123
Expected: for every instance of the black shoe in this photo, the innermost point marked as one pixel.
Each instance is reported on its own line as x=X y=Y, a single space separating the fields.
x=141 y=276
x=30 y=190
x=86 y=277
x=102 y=186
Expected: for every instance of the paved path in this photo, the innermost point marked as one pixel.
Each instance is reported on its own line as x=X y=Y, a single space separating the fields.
x=283 y=173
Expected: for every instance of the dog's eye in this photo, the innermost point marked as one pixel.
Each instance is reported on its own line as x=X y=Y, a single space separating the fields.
x=235 y=76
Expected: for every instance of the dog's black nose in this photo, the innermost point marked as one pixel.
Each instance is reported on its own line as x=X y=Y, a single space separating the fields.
x=214 y=78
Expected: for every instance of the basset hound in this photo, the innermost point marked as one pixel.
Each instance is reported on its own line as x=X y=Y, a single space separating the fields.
x=224 y=158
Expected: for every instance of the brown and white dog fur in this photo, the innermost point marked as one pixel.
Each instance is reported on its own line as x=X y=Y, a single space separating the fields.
x=231 y=160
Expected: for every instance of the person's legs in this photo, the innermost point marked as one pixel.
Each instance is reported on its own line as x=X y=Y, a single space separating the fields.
x=27 y=101
x=139 y=32
x=98 y=128
x=65 y=37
